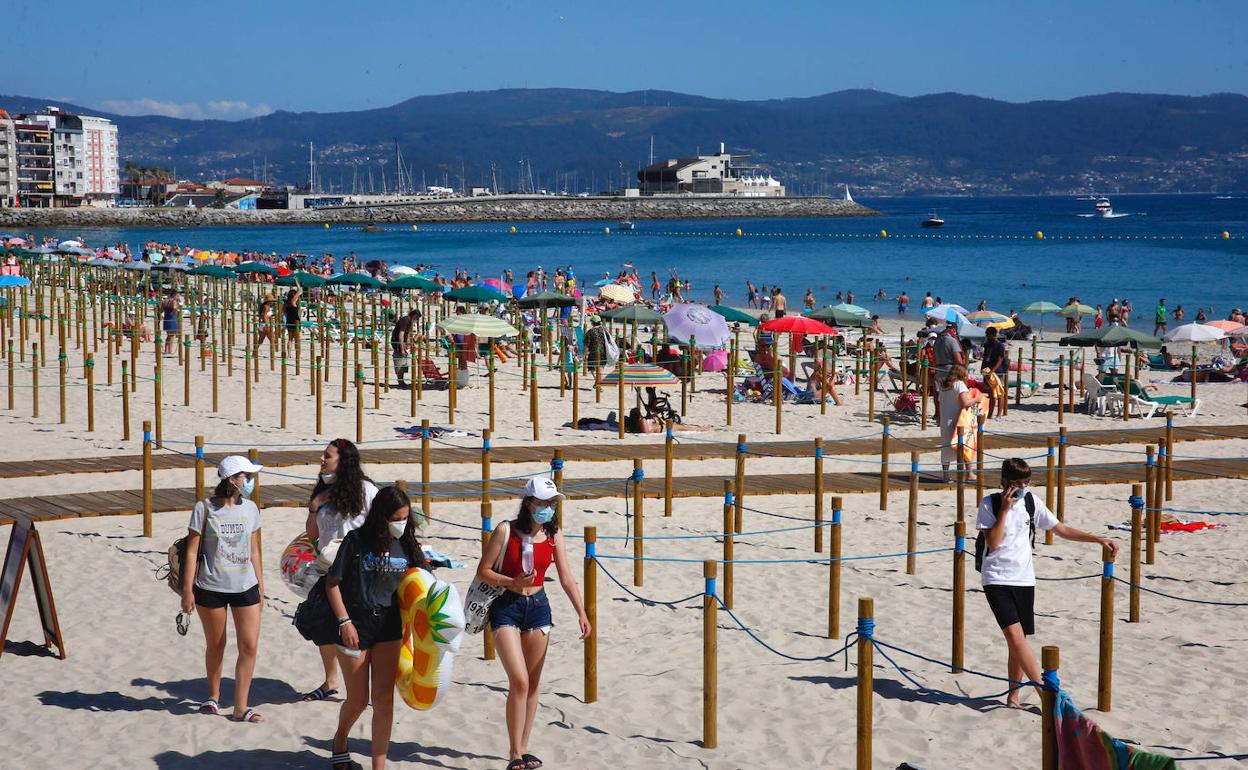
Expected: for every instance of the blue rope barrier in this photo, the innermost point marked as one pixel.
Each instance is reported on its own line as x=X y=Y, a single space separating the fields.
x=795 y=658
x=643 y=599
x=682 y=560
x=1181 y=598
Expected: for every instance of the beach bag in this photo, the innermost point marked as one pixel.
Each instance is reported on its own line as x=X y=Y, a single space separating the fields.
x=481 y=594
x=981 y=542
x=171 y=571
x=610 y=350
x=314 y=618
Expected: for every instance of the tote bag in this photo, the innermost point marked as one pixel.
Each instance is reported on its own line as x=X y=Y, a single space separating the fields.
x=481 y=594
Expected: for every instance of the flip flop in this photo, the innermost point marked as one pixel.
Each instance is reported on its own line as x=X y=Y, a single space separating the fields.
x=531 y=762
x=250 y=715
x=209 y=707
x=516 y=764
x=343 y=761
x=319 y=694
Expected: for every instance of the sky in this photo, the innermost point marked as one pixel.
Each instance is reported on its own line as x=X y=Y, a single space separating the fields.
x=230 y=59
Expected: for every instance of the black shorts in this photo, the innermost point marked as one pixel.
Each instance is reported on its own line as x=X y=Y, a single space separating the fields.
x=214 y=600
x=1013 y=604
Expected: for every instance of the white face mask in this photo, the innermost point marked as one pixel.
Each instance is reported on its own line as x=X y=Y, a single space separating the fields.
x=397 y=528
x=329 y=478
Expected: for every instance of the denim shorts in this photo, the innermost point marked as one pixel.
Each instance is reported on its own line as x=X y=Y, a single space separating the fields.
x=526 y=613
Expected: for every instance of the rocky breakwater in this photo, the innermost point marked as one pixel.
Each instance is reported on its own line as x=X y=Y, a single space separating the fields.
x=503 y=208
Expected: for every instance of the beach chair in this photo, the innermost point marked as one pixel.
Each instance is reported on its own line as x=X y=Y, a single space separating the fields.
x=432 y=375
x=1157 y=363
x=1148 y=404
x=1098 y=399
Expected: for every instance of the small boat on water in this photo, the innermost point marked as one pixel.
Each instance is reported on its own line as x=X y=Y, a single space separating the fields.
x=933 y=221
x=848 y=198
x=1103 y=208
x=627 y=224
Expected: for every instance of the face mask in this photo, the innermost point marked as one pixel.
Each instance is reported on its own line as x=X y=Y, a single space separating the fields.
x=397 y=528
x=248 y=487
x=544 y=515
x=329 y=478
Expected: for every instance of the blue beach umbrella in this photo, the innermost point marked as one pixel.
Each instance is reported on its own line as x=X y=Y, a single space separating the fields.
x=948 y=313
x=13 y=281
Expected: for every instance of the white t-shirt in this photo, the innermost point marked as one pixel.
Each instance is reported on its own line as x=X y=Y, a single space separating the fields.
x=225 y=546
x=1010 y=564
x=330 y=526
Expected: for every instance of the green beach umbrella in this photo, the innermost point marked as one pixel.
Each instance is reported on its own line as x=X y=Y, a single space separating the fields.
x=254 y=267
x=418 y=282
x=638 y=313
x=306 y=279
x=832 y=315
x=212 y=271
x=1042 y=307
x=1076 y=309
x=732 y=315
x=1112 y=337
x=855 y=309
x=475 y=294
x=355 y=279
x=547 y=299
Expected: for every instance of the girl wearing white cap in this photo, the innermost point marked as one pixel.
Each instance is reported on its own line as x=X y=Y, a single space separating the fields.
x=521 y=618
x=223 y=544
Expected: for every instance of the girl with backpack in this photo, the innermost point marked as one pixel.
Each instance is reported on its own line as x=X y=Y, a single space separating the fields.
x=223 y=544
x=339 y=504
x=360 y=587
x=520 y=617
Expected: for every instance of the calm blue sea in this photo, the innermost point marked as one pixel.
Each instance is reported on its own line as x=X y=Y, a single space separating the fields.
x=1168 y=246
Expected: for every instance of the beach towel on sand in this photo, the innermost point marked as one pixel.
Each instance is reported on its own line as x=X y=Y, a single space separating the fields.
x=1081 y=745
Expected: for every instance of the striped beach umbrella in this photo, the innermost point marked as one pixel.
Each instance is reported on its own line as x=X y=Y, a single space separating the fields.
x=478 y=324
x=990 y=318
x=642 y=375
x=617 y=293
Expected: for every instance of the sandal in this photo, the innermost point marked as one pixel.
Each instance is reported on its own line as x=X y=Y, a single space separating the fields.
x=209 y=707
x=250 y=715
x=531 y=762
x=343 y=761
x=319 y=693
x=516 y=764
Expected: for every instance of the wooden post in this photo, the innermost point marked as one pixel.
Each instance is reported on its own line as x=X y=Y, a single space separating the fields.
x=858 y=366
x=728 y=543
x=1018 y=377
x=452 y=387
x=1061 y=474
x=576 y=395
x=490 y=364
x=318 y=384
x=1050 y=659
x=34 y=378
x=186 y=371
x=247 y=384
x=979 y=460
x=90 y=393
x=11 y=385
x=424 y=467
x=872 y=376
x=1150 y=502
x=710 y=689
x=639 y=524
x=738 y=484
x=283 y=405
x=1061 y=390
x=125 y=402
x=1105 y=658
x=147 y=478
x=619 y=370
x=959 y=481
x=199 y=468
x=535 y=405
x=1169 y=456
x=866 y=684
x=591 y=612
x=667 y=471
x=253 y=456
x=923 y=390
x=1050 y=482
x=215 y=376
x=359 y=405
x=1126 y=389
x=818 y=495
x=157 y=406
x=777 y=388
x=1159 y=493
x=731 y=389
x=487 y=504
x=1137 y=524
x=884 y=435
x=1192 y=371
x=912 y=515
x=62 y=369
x=834 y=572
x=959 y=595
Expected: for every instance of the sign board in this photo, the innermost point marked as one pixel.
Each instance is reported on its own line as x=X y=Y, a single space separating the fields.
x=26 y=549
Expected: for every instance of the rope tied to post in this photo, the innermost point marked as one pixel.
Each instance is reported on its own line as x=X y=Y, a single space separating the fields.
x=743 y=449
x=637 y=476
x=591 y=550
x=959 y=544
x=1050 y=681
x=1107 y=570
x=866 y=628
x=556 y=464
x=1136 y=501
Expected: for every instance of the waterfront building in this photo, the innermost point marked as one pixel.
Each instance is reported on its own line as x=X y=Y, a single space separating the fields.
x=103 y=179
x=8 y=161
x=719 y=174
x=84 y=157
x=33 y=141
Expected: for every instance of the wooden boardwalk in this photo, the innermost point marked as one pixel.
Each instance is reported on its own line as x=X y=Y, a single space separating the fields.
x=612 y=451
x=130 y=502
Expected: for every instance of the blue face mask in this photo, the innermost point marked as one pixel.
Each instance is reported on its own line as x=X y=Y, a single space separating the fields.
x=248 y=487
x=544 y=515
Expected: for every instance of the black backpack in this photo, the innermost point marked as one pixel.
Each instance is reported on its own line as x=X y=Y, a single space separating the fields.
x=981 y=543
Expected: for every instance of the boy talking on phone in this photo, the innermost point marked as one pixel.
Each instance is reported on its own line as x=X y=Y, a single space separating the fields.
x=1007 y=522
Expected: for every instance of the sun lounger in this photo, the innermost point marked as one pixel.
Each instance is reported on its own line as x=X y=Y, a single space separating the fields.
x=1148 y=404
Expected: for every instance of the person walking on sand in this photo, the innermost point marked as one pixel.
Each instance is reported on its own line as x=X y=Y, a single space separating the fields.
x=267 y=322
x=171 y=320
x=290 y=311
x=401 y=342
x=521 y=618
x=779 y=303
x=955 y=396
x=339 y=504
x=360 y=587
x=224 y=569
x=1007 y=522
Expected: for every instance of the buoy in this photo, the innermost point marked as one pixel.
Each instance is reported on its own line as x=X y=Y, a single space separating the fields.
x=606 y=231
x=1039 y=235
x=513 y=228
x=415 y=228
x=326 y=225
x=883 y=233
x=1226 y=236
x=738 y=231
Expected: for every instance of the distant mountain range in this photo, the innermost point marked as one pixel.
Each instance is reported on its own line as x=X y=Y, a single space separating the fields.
x=582 y=140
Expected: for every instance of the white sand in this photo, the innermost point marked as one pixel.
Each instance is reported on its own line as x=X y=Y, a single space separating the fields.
x=121 y=699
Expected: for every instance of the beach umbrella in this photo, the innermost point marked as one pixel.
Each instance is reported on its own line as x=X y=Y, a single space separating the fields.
x=642 y=375
x=102 y=262
x=212 y=271
x=970 y=331
x=174 y=267
x=615 y=292
x=1227 y=326
x=363 y=280
x=480 y=325
x=697 y=322
x=13 y=281
x=547 y=299
x=986 y=317
x=948 y=313
x=845 y=307
x=604 y=281
x=1242 y=331
x=833 y=317
x=1112 y=337
x=137 y=265
x=715 y=361
x=733 y=315
x=70 y=244
x=639 y=313
x=797 y=324
x=1042 y=307
x=414 y=281
x=306 y=279
x=497 y=284
x=1076 y=309
x=475 y=294
x=1195 y=333
x=403 y=270
x=254 y=267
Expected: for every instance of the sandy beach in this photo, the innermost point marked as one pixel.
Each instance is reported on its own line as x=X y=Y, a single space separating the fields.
x=125 y=695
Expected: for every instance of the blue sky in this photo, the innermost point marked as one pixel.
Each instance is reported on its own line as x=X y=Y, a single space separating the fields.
x=236 y=59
